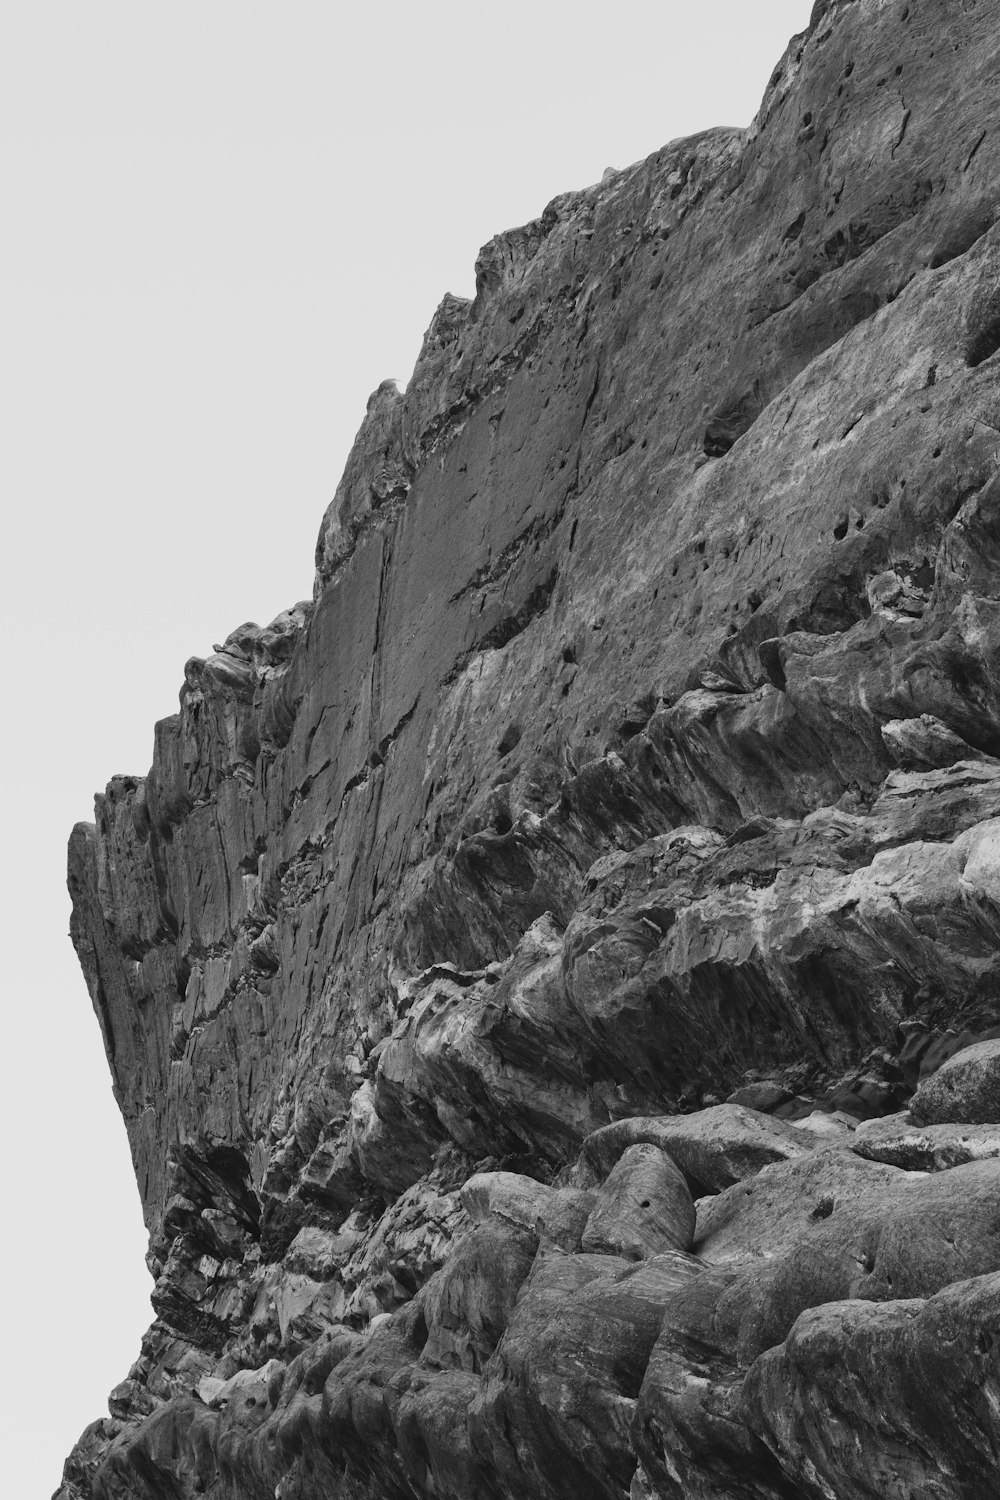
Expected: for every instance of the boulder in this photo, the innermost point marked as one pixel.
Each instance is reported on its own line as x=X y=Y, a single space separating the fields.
x=924 y=1148
x=886 y=1401
x=643 y=1208
x=964 y=1090
x=713 y=1148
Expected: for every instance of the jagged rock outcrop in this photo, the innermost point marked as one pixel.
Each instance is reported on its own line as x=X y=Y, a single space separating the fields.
x=516 y=968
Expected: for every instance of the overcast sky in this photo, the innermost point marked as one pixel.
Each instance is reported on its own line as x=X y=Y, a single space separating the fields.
x=224 y=223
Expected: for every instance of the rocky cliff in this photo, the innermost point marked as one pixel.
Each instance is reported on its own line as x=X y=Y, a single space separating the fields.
x=551 y=980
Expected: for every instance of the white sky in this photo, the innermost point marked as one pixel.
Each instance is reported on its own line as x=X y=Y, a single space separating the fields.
x=224 y=223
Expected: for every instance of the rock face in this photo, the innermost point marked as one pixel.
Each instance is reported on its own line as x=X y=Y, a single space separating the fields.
x=639 y=752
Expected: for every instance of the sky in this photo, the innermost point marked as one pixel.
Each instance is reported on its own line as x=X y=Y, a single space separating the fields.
x=224 y=223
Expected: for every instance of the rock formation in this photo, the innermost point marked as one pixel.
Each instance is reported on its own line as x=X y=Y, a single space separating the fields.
x=517 y=965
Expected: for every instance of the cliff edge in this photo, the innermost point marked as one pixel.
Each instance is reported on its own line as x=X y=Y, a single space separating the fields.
x=551 y=978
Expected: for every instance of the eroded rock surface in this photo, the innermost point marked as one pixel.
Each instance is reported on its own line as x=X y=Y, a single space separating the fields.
x=551 y=978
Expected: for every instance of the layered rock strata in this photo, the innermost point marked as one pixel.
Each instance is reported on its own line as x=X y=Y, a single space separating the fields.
x=517 y=965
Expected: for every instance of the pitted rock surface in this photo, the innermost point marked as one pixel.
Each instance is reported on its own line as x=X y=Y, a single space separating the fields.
x=551 y=978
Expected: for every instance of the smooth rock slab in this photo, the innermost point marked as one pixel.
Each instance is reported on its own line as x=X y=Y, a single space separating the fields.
x=556 y=1214
x=924 y=1148
x=508 y=1195
x=644 y=1208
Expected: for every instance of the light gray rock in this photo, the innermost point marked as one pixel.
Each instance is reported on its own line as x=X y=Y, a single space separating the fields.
x=924 y=1148
x=509 y=1196
x=643 y=1208
x=713 y=1148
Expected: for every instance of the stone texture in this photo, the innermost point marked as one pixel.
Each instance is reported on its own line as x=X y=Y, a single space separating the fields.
x=554 y=1414
x=459 y=900
x=644 y=1207
x=925 y=1148
x=713 y=1148
x=907 y=1391
x=965 y=1089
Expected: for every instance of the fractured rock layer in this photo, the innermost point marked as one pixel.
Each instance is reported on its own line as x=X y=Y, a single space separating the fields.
x=504 y=947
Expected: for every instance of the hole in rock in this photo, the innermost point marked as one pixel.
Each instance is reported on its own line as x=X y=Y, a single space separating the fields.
x=984 y=338
x=511 y=738
x=732 y=420
x=824 y=1208
x=182 y=975
x=982 y=327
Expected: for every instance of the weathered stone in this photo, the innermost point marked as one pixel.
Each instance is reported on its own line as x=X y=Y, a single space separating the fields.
x=763 y=1096
x=924 y=1148
x=837 y=1226
x=468 y=1304
x=554 y=1413
x=925 y=743
x=468 y=891
x=827 y=1125
x=908 y=1393
x=713 y=1147
x=556 y=1214
x=644 y=1207
x=688 y=1428
x=564 y=1218
x=966 y=1088
x=507 y=1195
